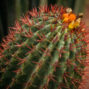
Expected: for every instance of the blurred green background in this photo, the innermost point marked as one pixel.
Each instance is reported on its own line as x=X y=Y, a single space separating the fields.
x=10 y=10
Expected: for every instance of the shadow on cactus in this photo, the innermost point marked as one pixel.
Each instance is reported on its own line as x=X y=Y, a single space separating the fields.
x=46 y=49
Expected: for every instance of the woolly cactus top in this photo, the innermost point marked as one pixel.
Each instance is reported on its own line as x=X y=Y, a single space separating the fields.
x=46 y=49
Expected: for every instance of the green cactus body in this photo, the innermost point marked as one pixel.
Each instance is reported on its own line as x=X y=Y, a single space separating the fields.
x=44 y=51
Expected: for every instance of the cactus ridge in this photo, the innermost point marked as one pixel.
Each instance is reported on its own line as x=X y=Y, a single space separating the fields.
x=44 y=50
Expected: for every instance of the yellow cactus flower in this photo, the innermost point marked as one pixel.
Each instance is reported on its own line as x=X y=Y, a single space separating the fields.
x=74 y=24
x=71 y=25
x=77 y=23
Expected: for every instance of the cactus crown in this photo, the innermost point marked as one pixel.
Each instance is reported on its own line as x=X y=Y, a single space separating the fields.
x=45 y=50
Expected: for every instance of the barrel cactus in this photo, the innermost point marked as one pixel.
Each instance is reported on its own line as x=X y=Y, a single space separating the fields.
x=46 y=49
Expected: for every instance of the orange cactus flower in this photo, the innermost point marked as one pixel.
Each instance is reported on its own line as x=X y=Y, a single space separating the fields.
x=65 y=15
x=66 y=20
x=72 y=17
x=68 y=17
